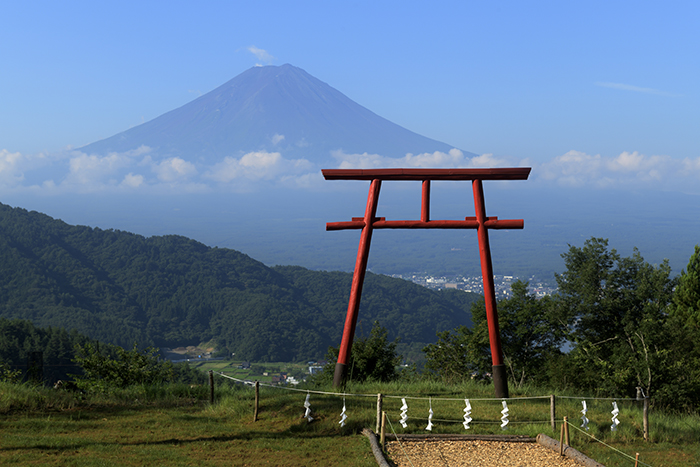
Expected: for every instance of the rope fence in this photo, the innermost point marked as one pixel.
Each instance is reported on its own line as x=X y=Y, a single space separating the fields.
x=418 y=404
x=624 y=454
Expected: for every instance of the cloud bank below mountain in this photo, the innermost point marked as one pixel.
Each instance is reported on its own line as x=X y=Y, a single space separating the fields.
x=138 y=171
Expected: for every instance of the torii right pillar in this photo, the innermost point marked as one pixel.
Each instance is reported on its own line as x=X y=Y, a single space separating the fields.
x=500 y=377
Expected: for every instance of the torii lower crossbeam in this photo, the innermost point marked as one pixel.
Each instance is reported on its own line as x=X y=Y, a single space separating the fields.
x=479 y=222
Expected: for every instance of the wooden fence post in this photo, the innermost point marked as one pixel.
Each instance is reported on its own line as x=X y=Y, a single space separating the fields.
x=257 y=400
x=553 y=413
x=211 y=386
x=646 y=419
x=561 y=440
x=566 y=431
x=382 y=437
x=379 y=412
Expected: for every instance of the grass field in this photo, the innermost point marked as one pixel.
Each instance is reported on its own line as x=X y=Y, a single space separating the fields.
x=175 y=425
x=136 y=431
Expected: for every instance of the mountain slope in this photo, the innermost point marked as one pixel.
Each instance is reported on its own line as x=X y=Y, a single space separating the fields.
x=269 y=109
x=124 y=288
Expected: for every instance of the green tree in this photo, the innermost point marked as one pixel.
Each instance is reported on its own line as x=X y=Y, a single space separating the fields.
x=8 y=375
x=686 y=298
x=615 y=311
x=114 y=367
x=530 y=337
x=530 y=334
x=452 y=358
x=683 y=325
x=373 y=358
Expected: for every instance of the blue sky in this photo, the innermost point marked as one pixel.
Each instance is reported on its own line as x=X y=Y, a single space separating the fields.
x=588 y=93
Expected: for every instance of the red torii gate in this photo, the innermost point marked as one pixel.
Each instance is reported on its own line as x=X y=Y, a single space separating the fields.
x=480 y=222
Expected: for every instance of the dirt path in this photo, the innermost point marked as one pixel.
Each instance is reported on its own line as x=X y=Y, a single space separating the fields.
x=432 y=453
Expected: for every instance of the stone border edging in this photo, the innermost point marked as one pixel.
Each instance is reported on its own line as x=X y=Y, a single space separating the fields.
x=376 y=449
x=569 y=452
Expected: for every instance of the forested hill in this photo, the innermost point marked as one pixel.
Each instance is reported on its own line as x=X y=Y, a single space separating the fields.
x=123 y=288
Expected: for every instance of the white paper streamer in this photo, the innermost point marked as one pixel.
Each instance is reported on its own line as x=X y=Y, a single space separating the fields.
x=504 y=416
x=430 y=417
x=343 y=415
x=308 y=409
x=615 y=421
x=584 y=420
x=404 y=413
x=467 y=414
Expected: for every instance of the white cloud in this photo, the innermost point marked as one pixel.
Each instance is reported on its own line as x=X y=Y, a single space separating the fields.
x=629 y=87
x=277 y=139
x=691 y=167
x=259 y=165
x=92 y=170
x=120 y=171
x=454 y=158
x=11 y=170
x=20 y=170
x=358 y=161
x=628 y=168
x=74 y=171
x=173 y=169
x=643 y=167
x=573 y=168
x=261 y=54
x=132 y=181
x=489 y=160
x=691 y=164
x=312 y=180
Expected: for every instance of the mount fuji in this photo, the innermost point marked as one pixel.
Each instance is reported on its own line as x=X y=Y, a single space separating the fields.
x=272 y=109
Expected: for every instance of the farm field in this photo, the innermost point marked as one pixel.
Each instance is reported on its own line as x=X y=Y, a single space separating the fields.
x=263 y=372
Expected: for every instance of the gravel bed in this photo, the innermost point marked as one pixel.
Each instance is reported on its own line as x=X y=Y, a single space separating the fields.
x=432 y=453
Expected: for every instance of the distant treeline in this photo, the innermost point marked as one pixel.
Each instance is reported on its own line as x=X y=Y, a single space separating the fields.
x=123 y=288
x=47 y=355
x=55 y=348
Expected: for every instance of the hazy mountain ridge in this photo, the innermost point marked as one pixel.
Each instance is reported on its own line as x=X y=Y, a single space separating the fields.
x=124 y=288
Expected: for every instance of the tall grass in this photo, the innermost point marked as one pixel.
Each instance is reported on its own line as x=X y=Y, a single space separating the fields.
x=32 y=398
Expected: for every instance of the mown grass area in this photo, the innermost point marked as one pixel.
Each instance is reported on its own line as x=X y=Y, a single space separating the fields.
x=175 y=425
x=138 y=427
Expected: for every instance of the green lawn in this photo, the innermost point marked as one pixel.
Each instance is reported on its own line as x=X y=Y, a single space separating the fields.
x=173 y=436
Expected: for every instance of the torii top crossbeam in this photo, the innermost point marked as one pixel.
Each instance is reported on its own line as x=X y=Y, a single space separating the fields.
x=508 y=173
x=479 y=222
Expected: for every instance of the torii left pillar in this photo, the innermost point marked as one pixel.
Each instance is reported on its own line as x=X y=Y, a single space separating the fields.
x=480 y=222
x=358 y=279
